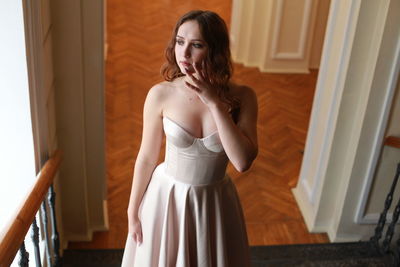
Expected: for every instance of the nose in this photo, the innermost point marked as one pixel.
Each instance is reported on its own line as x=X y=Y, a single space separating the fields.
x=186 y=52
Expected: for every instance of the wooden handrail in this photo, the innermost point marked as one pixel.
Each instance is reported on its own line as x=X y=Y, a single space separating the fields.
x=392 y=141
x=15 y=235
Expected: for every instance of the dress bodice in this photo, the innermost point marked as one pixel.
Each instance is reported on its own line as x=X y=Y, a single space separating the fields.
x=192 y=160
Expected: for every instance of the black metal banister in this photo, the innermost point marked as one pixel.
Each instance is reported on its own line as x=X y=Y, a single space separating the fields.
x=384 y=248
x=13 y=239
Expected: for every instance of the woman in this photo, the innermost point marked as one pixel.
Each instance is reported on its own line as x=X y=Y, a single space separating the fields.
x=186 y=211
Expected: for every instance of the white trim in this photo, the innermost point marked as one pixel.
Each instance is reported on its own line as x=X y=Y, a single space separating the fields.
x=360 y=217
x=47 y=34
x=334 y=237
x=330 y=85
x=33 y=34
x=318 y=97
x=249 y=31
x=243 y=35
x=299 y=54
x=350 y=156
x=373 y=218
x=275 y=70
x=236 y=23
x=79 y=237
x=106 y=225
x=340 y=77
x=83 y=120
x=105 y=52
x=302 y=196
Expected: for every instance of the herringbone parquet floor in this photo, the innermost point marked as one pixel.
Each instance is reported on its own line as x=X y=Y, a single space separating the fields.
x=137 y=34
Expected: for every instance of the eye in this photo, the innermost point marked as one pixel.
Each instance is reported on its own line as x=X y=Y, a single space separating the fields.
x=198 y=45
x=180 y=41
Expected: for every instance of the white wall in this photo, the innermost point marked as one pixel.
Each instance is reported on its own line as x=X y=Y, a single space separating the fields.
x=17 y=159
x=278 y=35
x=78 y=43
x=39 y=49
x=382 y=173
x=38 y=95
x=25 y=86
x=319 y=33
x=359 y=71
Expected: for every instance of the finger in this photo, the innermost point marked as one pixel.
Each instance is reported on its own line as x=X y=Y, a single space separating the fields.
x=204 y=70
x=198 y=71
x=134 y=237
x=131 y=235
x=194 y=79
x=137 y=238
x=192 y=87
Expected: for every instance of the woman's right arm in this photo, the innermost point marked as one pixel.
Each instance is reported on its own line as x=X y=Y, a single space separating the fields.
x=147 y=157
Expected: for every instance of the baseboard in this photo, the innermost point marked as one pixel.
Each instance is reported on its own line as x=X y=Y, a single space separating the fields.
x=285 y=71
x=335 y=238
x=105 y=51
x=79 y=237
x=304 y=205
x=105 y=212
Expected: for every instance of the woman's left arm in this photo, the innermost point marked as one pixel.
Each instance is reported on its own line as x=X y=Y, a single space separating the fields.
x=239 y=140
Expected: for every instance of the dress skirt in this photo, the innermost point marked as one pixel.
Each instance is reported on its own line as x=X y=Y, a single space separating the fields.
x=188 y=225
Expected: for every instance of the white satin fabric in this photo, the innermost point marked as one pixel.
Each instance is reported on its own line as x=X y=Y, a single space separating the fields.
x=190 y=214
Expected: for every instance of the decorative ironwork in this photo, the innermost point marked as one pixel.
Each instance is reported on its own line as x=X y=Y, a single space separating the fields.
x=35 y=239
x=382 y=218
x=24 y=256
x=397 y=253
x=46 y=232
x=390 y=231
x=52 y=257
x=52 y=246
x=54 y=236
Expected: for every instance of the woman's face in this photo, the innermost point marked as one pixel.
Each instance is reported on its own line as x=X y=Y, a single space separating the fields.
x=190 y=46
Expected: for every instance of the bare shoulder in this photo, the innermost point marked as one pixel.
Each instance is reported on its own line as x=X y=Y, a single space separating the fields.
x=159 y=90
x=159 y=93
x=155 y=99
x=244 y=93
x=248 y=107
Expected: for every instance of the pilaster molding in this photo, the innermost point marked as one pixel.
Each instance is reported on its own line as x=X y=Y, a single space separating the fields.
x=260 y=38
x=302 y=42
x=79 y=70
x=339 y=36
x=359 y=70
x=34 y=52
x=387 y=83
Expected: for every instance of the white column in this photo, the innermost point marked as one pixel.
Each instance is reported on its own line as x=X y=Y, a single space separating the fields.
x=358 y=71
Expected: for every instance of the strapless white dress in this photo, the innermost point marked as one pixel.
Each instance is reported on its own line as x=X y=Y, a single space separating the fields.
x=190 y=213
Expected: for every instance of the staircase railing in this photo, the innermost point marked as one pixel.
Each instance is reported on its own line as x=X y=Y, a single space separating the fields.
x=13 y=240
x=384 y=246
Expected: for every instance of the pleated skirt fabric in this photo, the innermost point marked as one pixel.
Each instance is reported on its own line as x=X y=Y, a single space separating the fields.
x=188 y=225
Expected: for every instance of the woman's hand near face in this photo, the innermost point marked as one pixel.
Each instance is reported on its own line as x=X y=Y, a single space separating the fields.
x=200 y=83
x=239 y=139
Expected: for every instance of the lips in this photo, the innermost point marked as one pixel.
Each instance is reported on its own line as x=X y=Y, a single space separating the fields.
x=186 y=64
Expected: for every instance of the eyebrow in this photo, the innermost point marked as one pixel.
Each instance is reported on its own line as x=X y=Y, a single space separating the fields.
x=201 y=40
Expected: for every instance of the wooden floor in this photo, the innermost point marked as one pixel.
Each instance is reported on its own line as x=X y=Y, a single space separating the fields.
x=137 y=34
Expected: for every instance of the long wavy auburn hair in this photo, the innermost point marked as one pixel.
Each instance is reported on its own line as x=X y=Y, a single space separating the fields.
x=217 y=65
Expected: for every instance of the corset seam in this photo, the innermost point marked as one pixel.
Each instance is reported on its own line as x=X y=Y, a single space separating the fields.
x=226 y=178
